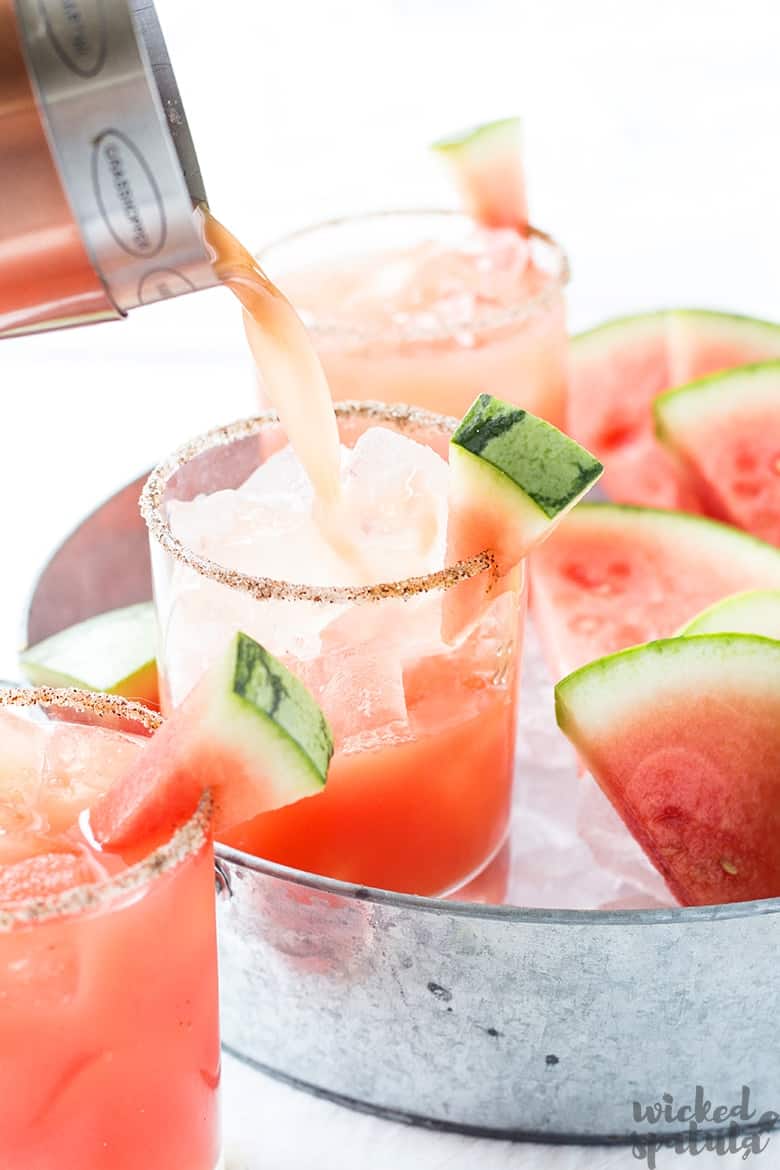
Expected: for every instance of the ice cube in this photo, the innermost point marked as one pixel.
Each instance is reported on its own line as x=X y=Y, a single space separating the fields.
x=22 y=752
x=569 y=848
x=198 y=617
x=356 y=678
x=551 y=865
x=552 y=868
x=614 y=849
x=387 y=277
x=193 y=520
x=395 y=502
x=396 y=490
x=265 y=528
x=501 y=261
x=441 y=272
x=81 y=763
x=238 y=532
x=281 y=475
x=364 y=694
x=487 y=267
x=23 y=830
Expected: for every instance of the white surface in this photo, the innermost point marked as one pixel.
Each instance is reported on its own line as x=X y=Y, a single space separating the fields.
x=652 y=153
x=272 y=1127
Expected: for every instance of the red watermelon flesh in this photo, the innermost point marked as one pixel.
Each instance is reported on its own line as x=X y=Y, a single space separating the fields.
x=487 y=165
x=619 y=368
x=683 y=736
x=248 y=733
x=727 y=430
x=613 y=576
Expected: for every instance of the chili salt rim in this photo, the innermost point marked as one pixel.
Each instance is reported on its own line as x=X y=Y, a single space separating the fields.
x=264 y=588
x=185 y=842
x=496 y=319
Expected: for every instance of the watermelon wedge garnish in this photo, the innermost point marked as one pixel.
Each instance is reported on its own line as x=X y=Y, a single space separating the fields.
x=512 y=478
x=487 y=165
x=113 y=652
x=249 y=733
x=683 y=736
x=613 y=576
x=756 y=611
x=726 y=430
x=619 y=368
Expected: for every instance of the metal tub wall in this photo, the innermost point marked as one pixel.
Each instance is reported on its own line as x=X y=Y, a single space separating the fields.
x=517 y=1023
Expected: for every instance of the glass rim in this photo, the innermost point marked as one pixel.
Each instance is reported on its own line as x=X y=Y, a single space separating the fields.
x=184 y=843
x=266 y=588
x=498 y=319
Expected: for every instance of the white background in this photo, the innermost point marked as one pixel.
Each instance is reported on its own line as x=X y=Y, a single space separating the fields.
x=653 y=154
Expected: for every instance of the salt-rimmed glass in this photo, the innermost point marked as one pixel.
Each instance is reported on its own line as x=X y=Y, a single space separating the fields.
x=109 y=1033
x=515 y=349
x=419 y=791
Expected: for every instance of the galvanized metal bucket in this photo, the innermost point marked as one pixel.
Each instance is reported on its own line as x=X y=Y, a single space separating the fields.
x=556 y=1025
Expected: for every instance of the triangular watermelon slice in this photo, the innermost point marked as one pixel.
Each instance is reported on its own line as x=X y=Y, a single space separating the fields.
x=487 y=165
x=617 y=370
x=249 y=733
x=683 y=736
x=612 y=576
x=726 y=429
x=512 y=479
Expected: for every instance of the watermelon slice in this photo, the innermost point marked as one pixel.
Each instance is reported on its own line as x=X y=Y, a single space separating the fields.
x=113 y=652
x=726 y=429
x=756 y=611
x=513 y=477
x=486 y=162
x=249 y=732
x=618 y=369
x=683 y=736
x=613 y=576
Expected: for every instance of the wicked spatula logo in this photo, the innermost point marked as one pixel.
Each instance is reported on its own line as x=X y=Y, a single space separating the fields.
x=695 y=1126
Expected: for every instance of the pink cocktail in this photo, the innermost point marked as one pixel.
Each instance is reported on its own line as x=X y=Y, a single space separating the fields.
x=109 y=1038
x=413 y=660
x=429 y=309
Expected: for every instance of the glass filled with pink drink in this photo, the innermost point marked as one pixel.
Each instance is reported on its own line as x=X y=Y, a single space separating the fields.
x=109 y=1035
x=413 y=659
x=428 y=308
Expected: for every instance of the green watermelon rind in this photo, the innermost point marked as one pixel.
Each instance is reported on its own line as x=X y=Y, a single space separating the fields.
x=485 y=136
x=741 y=324
x=683 y=407
x=101 y=653
x=260 y=709
x=753 y=611
x=610 y=689
x=627 y=517
x=602 y=336
x=508 y=461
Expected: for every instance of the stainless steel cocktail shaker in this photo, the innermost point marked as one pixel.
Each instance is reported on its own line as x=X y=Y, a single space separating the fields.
x=98 y=173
